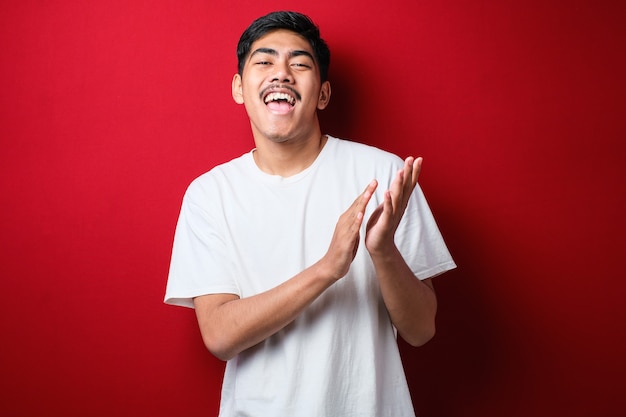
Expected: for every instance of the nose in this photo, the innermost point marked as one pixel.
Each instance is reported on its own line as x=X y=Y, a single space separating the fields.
x=282 y=73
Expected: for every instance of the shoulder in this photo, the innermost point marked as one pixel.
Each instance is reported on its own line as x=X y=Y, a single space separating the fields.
x=219 y=178
x=348 y=152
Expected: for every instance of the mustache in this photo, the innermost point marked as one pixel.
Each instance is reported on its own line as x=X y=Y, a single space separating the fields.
x=280 y=87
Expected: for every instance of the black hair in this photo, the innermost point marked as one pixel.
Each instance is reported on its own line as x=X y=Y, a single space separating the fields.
x=293 y=21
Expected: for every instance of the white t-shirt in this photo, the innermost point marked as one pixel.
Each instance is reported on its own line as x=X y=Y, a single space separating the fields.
x=242 y=231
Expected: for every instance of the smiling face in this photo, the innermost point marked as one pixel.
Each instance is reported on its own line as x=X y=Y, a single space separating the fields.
x=281 y=89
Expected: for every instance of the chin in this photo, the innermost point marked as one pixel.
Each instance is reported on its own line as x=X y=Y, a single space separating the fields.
x=281 y=132
x=277 y=137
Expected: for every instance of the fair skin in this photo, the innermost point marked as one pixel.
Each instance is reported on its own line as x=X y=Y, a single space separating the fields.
x=281 y=90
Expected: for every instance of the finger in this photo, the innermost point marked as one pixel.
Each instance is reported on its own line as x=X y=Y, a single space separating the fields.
x=417 y=168
x=388 y=207
x=361 y=201
x=358 y=208
x=397 y=187
x=356 y=211
x=412 y=169
x=408 y=175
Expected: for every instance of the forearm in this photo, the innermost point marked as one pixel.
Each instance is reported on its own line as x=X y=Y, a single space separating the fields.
x=230 y=326
x=412 y=304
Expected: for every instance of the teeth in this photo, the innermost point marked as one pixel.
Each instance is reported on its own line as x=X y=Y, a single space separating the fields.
x=280 y=96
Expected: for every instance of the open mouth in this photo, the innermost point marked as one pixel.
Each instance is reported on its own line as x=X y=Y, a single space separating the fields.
x=279 y=103
x=280 y=98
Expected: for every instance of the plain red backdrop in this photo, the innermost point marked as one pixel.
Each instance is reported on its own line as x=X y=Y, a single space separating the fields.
x=108 y=109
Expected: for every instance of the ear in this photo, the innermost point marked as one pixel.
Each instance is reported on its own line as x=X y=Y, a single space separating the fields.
x=237 y=89
x=324 y=98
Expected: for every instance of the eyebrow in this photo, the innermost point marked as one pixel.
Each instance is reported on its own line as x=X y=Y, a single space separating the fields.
x=274 y=52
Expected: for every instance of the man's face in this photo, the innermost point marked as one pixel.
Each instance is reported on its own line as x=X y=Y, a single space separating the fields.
x=280 y=87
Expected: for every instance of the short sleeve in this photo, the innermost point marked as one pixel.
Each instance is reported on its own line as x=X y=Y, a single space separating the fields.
x=200 y=262
x=419 y=239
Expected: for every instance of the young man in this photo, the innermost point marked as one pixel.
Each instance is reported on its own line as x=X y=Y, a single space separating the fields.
x=300 y=265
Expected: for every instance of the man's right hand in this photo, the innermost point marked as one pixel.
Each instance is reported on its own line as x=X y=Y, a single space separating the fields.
x=345 y=241
x=230 y=324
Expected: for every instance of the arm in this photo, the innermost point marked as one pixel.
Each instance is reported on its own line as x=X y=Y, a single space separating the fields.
x=230 y=325
x=412 y=304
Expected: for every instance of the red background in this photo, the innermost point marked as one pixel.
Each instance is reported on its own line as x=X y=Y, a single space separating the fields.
x=108 y=109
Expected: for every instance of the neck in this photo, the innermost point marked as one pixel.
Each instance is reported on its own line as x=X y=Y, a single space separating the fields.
x=290 y=157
